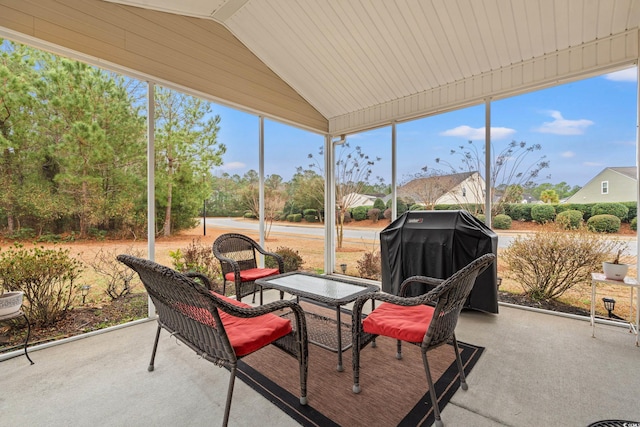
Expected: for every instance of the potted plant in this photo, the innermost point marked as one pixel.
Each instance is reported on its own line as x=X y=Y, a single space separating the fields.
x=615 y=270
x=10 y=302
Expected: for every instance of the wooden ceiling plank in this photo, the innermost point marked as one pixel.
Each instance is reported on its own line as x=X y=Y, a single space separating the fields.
x=17 y=20
x=487 y=19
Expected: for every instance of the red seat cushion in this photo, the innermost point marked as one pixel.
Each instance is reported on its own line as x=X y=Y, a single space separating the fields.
x=252 y=274
x=246 y=335
x=399 y=322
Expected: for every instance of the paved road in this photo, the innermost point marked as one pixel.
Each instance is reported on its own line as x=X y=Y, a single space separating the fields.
x=504 y=239
x=364 y=234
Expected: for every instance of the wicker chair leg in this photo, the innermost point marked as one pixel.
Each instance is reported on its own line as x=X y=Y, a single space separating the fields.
x=239 y=292
x=304 y=371
x=432 y=391
x=399 y=350
x=463 y=379
x=227 y=407
x=355 y=358
x=155 y=347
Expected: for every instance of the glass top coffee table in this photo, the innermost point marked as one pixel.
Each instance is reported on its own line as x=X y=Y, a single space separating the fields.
x=328 y=290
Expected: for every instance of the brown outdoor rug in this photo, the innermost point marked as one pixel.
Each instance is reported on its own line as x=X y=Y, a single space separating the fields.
x=394 y=392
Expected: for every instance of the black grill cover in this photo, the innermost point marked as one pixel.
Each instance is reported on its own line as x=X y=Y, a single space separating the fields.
x=437 y=244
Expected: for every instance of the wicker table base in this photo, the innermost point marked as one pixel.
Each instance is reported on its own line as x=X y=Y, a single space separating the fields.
x=329 y=291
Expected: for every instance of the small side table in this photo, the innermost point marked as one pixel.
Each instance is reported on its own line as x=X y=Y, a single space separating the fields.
x=26 y=341
x=599 y=278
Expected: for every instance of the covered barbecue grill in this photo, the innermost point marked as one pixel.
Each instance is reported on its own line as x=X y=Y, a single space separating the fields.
x=437 y=244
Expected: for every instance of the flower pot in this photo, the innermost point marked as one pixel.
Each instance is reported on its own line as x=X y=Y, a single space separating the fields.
x=10 y=302
x=615 y=271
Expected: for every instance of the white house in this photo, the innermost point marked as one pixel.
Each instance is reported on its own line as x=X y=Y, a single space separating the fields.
x=355 y=199
x=458 y=188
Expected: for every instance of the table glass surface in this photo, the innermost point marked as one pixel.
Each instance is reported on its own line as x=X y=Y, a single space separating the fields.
x=317 y=285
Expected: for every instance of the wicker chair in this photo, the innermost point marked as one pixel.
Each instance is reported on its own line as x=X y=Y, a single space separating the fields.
x=427 y=320
x=237 y=254
x=219 y=329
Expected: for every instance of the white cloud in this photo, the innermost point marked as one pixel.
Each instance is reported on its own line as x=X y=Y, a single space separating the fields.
x=562 y=126
x=231 y=166
x=628 y=75
x=568 y=154
x=470 y=133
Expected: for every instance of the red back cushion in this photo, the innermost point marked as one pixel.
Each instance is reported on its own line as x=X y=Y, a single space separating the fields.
x=399 y=322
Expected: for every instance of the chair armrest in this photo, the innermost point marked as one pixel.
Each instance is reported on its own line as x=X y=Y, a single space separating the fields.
x=200 y=277
x=248 y=312
x=279 y=259
x=430 y=281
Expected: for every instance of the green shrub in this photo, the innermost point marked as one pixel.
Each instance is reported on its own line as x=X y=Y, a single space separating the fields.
x=311 y=218
x=546 y=264
x=370 y=265
x=543 y=213
x=482 y=217
x=97 y=233
x=46 y=276
x=569 y=220
x=379 y=204
x=604 y=223
x=307 y=212
x=23 y=233
x=416 y=207
x=292 y=259
x=294 y=217
x=634 y=224
x=402 y=205
x=519 y=211
x=616 y=209
x=359 y=213
x=633 y=210
x=249 y=215
x=585 y=208
x=502 y=222
x=49 y=238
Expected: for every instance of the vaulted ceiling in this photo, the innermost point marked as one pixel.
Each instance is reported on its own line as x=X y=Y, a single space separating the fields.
x=338 y=66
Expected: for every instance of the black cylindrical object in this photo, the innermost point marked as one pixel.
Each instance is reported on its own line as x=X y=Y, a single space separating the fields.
x=437 y=244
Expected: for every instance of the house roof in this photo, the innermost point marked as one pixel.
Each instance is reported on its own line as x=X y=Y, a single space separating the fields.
x=336 y=66
x=629 y=171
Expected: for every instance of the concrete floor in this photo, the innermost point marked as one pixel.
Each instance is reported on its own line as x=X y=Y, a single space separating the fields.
x=537 y=370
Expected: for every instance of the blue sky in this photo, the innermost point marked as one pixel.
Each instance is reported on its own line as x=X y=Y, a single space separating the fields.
x=582 y=127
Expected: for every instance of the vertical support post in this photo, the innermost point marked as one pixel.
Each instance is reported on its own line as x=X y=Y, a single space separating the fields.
x=261 y=186
x=204 y=217
x=487 y=162
x=638 y=176
x=394 y=161
x=329 y=206
x=151 y=182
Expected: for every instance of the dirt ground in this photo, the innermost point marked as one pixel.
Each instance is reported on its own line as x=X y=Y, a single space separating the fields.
x=98 y=311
